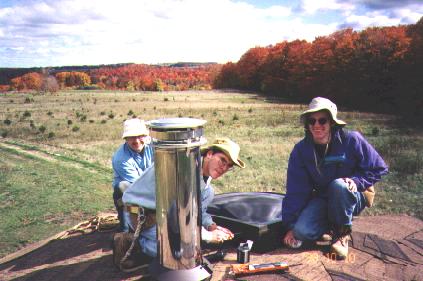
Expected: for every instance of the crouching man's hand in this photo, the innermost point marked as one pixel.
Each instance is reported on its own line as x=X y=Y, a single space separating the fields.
x=290 y=241
x=218 y=235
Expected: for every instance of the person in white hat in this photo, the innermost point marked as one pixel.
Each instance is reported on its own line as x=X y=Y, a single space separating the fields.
x=330 y=178
x=130 y=161
x=217 y=159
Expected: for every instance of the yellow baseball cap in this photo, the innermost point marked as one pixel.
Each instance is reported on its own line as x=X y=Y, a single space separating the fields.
x=228 y=147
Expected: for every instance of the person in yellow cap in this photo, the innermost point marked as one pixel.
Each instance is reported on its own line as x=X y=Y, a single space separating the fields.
x=130 y=161
x=217 y=158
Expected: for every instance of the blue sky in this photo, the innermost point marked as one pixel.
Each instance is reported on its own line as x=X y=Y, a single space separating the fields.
x=37 y=33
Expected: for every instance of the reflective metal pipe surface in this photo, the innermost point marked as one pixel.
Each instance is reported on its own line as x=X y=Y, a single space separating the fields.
x=177 y=165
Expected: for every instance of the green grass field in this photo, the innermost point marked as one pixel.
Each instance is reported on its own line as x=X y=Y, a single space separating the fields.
x=55 y=152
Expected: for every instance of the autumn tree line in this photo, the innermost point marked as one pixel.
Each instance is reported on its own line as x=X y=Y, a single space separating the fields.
x=377 y=69
x=131 y=77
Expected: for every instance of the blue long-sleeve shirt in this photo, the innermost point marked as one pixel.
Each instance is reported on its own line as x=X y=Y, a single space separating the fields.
x=350 y=156
x=129 y=165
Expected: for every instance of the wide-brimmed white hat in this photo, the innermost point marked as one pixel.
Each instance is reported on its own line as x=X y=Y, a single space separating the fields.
x=134 y=127
x=318 y=104
x=228 y=147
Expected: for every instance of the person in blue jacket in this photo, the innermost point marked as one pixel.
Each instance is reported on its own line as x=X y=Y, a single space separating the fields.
x=130 y=161
x=330 y=179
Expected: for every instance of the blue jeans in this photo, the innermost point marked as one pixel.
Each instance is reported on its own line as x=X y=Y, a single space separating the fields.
x=148 y=239
x=117 y=200
x=334 y=208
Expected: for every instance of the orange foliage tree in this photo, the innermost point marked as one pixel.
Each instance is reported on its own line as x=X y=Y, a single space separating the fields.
x=29 y=81
x=250 y=68
x=378 y=68
x=228 y=77
x=73 y=79
x=155 y=78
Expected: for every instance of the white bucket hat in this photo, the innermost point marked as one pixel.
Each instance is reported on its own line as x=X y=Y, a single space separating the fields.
x=228 y=147
x=318 y=104
x=134 y=127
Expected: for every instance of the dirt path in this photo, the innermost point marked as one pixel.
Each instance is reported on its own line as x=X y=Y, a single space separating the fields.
x=44 y=155
x=382 y=248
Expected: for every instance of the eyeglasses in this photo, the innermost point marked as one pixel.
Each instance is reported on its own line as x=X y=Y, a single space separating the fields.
x=224 y=164
x=312 y=121
x=142 y=138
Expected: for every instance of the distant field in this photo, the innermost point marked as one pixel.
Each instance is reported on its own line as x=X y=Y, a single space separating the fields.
x=55 y=152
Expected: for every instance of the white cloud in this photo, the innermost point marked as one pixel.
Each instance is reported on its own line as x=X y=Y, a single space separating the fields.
x=18 y=48
x=361 y=22
x=143 y=31
x=71 y=32
x=382 y=12
x=313 y=6
x=408 y=16
x=382 y=18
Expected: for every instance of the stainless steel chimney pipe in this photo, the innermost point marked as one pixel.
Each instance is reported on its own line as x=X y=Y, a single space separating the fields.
x=176 y=143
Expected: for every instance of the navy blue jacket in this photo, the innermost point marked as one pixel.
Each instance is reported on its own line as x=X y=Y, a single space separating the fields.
x=349 y=156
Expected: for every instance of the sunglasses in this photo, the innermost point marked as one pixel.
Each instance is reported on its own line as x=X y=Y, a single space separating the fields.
x=312 y=121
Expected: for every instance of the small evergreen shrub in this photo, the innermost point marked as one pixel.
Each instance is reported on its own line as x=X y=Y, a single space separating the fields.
x=28 y=100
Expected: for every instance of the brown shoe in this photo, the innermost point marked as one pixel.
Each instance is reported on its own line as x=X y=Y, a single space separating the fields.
x=121 y=243
x=340 y=247
x=135 y=262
